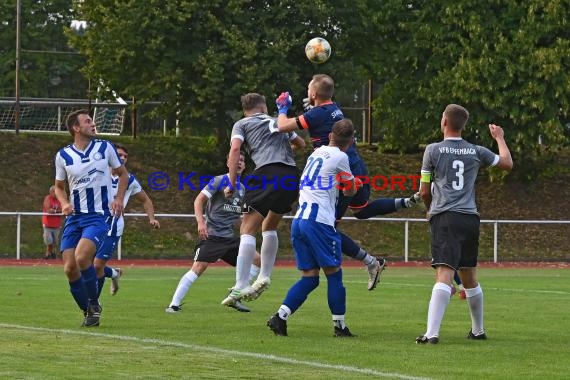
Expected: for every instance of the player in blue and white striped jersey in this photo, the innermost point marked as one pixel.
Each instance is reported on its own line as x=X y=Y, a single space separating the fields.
x=84 y=165
x=117 y=225
x=316 y=242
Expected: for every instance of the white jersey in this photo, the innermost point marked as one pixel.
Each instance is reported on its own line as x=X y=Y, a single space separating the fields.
x=318 y=187
x=88 y=175
x=117 y=225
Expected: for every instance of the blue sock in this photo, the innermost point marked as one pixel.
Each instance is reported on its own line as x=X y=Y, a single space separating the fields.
x=90 y=282
x=79 y=294
x=457 y=278
x=298 y=293
x=349 y=247
x=108 y=272
x=100 y=284
x=336 y=293
x=380 y=206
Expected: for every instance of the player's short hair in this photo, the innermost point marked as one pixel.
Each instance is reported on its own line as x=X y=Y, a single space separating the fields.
x=343 y=132
x=324 y=86
x=121 y=146
x=252 y=100
x=73 y=120
x=457 y=116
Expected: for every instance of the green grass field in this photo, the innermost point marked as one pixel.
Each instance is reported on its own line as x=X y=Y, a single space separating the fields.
x=40 y=338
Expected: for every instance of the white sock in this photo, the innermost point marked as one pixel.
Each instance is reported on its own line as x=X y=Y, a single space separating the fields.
x=398 y=202
x=284 y=312
x=183 y=286
x=440 y=295
x=475 y=301
x=338 y=321
x=269 y=247
x=115 y=273
x=369 y=260
x=253 y=272
x=246 y=253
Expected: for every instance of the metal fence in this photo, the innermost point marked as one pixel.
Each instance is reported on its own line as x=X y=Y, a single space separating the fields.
x=405 y=221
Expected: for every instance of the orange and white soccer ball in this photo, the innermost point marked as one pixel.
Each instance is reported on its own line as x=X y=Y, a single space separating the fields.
x=318 y=50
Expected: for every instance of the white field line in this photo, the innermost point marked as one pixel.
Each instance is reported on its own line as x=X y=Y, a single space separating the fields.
x=195 y=347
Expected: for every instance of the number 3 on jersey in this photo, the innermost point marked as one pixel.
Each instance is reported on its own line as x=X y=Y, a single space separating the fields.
x=458 y=184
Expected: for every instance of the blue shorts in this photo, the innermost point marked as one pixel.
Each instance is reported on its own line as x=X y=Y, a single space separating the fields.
x=316 y=245
x=106 y=250
x=87 y=226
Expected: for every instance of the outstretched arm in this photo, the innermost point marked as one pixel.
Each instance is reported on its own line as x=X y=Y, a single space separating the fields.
x=148 y=208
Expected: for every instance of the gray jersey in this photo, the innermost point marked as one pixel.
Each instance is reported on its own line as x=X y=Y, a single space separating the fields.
x=453 y=164
x=222 y=212
x=263 y=141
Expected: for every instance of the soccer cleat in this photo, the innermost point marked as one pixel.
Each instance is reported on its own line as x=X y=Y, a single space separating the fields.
x=115 y=281
x=422 y=339
x=277 y=325
x=462 y=294
x=342 y=333
x=374 y=272
x=92 y=315
x=173 y=309
x=412 y=201
x=240 y=307
x=253 y=292
x=481 y=336
x=232 y=298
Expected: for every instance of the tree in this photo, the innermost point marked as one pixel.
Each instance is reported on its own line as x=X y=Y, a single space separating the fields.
x=42 y=74
x=198 y=57
x=505 y=60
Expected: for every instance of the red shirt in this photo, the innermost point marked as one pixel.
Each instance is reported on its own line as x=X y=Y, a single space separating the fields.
x=51 y=206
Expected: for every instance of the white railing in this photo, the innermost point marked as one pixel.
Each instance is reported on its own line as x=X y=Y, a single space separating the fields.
x=406 y=222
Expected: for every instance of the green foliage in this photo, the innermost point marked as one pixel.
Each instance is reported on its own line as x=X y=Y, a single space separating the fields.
x=42 y=74
x=198 y=57
x=506 y=61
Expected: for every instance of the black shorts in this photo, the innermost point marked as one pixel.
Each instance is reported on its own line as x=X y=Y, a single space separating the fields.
x=273 y=187
x=454 y=239
x=215 y=248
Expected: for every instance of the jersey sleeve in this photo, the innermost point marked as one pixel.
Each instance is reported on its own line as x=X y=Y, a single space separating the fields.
x=60 y=173
x=427 y=164
x=134 y=185
x=238 y=132
x=213 y=186
x=487 y=157
x=114 y=160
x=344 y=167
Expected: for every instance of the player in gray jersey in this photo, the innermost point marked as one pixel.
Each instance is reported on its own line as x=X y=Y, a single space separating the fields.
x=447 y=187
x=216 y=233
x=270 y=190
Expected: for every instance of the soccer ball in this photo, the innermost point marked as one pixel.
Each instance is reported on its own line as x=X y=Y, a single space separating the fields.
x=318 y=50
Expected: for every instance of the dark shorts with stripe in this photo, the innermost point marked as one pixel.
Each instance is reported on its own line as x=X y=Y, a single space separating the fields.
x=273 y=187
x=217 y=248
x=454 y=239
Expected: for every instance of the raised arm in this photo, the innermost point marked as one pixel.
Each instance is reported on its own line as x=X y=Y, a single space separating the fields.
x=505 y=159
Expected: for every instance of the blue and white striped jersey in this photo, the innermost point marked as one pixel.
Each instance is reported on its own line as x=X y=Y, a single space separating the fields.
x=117 y=225
x=88 y=175
x=319 y=184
